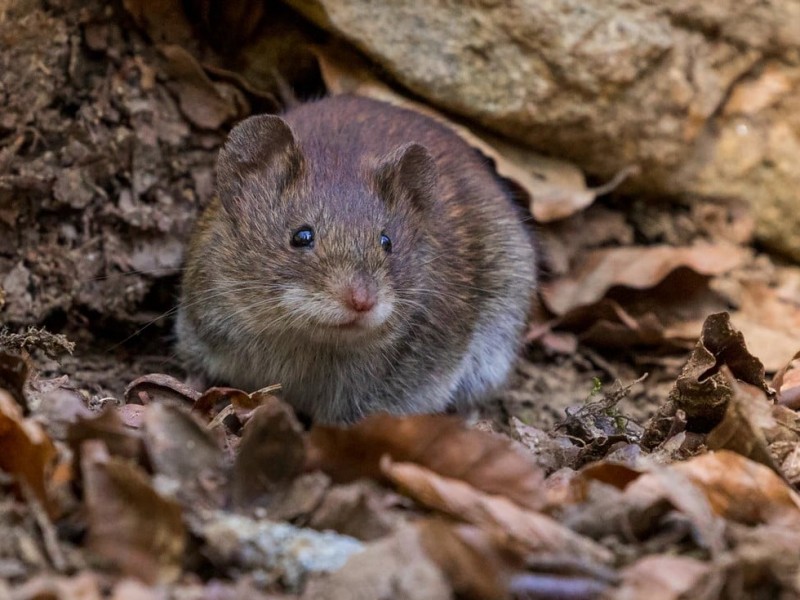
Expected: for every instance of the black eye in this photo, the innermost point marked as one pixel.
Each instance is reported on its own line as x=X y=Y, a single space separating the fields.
x=303 y=237
x=386 y=243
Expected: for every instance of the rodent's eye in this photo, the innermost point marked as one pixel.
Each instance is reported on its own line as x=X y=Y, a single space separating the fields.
x=386 y=243
x=303 y=237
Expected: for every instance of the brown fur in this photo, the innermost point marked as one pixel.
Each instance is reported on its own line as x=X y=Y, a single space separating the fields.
x=254 y=310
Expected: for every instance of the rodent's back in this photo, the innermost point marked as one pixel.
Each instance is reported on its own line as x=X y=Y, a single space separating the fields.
x=459 y=282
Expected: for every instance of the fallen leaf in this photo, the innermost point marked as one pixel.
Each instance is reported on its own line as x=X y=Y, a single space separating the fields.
x=741 y=490
x=664 y=577
x=786 y=383
x=362 y=509
x=702 y=391
x=26 y=451
x=206 y=104
x=118 y=439
x=13 y=376
x=271 y=455
x=477 y=563
x=130 y=525
x=158 y=387
x=182 y=449
x=395 y=567
x=532 y=530
x=636 y=268
x=741 y=430
x=164 y=20
x=440 y=443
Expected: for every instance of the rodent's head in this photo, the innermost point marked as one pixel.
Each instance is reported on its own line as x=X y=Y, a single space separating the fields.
x=328 y=241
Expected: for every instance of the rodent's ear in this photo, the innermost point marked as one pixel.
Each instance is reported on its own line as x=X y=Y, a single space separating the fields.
x=409 y=170
x=263 y=145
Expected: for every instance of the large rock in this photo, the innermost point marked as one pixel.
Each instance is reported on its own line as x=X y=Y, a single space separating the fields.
x=702 y=96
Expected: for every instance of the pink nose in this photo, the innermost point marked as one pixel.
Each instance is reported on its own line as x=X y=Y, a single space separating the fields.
x=360 y=298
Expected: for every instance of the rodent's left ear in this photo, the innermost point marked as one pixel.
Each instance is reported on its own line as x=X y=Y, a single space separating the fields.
x=263 y=145
x=409 y=170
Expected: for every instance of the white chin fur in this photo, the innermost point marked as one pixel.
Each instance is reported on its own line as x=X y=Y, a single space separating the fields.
x=318 y=308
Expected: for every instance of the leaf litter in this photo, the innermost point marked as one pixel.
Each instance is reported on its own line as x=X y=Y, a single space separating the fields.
x=587 y=481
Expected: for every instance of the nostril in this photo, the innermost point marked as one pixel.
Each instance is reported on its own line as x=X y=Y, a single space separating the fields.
x=360 y=298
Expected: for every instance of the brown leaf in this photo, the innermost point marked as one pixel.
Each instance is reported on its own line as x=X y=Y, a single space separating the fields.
x=13 y=376
x=362 y=509
x=440 y=443
x=741 y=430
x=457 y=499
x=158 y=387
x=180 y=448
x=164 y=20
x=26 y=451
x=271 y=455
x=664 y=577
x=206 y=104
x=478 y=564
x=786 y=383
x=130 y=525
x=118 y=439
x=395 y=567
x=636 y=268
x=741 y=490
x=702 y=391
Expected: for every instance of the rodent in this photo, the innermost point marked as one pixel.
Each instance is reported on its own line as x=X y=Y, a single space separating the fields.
x=361 y=255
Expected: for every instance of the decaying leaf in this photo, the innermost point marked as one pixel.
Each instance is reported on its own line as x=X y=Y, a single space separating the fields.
x=394 y=567
x=180 y=448
x=786 y=383
x=702 y=390
x=271 y=455
x=440 y=443
x=664 y=577
x=118 y=438
x=479 y=563
x=741 y=430
x=158 y=387
x=635 y=268
x=26 y=451
x=741 y=490
x=531 y=530
x=206 y=104
x=131 y=526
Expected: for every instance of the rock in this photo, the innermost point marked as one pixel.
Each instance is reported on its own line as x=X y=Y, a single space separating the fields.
x=702 y=98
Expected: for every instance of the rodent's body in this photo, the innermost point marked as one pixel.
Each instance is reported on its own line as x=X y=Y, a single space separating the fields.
x=349 y=323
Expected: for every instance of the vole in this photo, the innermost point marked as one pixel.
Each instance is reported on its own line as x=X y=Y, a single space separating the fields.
x=361 y=255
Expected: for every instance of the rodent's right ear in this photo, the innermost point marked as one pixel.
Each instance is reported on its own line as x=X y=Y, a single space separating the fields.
x=264 y=146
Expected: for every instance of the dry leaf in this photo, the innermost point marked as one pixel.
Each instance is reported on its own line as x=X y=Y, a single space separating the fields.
x=786 y=383
x=664 y=577
x=271 y=454
x=457 y=499
x=130 y=525
x=26 y=451
x=182 y=449
x=478 y=563
x=117 y=437
x=206 y=104
x=158 y=387
x=747 y=416
x=395 y=567
x=702 y=391
x=636 y=268
x=442 y=444
x=741 y=490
